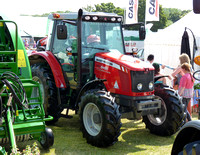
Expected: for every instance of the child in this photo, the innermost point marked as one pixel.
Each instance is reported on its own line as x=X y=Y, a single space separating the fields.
x=186 y=87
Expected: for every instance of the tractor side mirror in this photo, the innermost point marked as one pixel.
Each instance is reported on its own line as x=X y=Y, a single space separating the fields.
x=196 y=6
x=142 y=32
x=61 y=31
x=137 y=30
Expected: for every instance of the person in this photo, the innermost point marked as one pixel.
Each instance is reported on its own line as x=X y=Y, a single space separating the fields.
x=134 y=50
x=150 y=58
x=34 y=44
x=178 y=73
x=26 y=44
x=185 y=89
x=93 y=39
x=157 y=73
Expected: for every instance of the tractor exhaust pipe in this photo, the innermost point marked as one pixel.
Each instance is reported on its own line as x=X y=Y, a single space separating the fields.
x=79 y=27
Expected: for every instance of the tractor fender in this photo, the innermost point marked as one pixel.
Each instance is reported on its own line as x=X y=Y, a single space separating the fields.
x=52 y=61
x=90 y=85
x=189 y=132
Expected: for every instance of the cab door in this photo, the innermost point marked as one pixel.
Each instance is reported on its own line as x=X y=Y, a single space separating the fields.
x=65 y=49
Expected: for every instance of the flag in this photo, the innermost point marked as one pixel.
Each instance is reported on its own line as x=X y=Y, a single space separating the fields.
x=152 y=10
x=131 y=11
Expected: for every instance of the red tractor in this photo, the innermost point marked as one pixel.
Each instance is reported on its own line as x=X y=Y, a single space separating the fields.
x=85 y=69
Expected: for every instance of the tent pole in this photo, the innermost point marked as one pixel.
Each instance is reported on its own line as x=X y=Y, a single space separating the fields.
x=194 y=47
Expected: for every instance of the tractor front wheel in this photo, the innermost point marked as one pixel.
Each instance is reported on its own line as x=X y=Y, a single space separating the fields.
x=169 y=117
x=47 y=138
x=100 y=118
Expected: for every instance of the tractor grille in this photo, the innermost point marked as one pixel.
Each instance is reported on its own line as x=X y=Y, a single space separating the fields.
x=143 y=77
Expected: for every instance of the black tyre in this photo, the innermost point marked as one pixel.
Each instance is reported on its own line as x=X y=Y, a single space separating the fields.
x=42 y=74
x=100 y=118
x=196 y=75
x=188 y=139
x=47 y=138
x=170 y=117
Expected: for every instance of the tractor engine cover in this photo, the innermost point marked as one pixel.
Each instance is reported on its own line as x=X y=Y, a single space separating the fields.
x=125 y=74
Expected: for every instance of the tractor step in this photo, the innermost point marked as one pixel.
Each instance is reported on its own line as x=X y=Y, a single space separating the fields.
x=66 y=116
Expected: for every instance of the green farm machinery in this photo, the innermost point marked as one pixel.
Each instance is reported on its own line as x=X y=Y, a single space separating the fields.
x=22 y=116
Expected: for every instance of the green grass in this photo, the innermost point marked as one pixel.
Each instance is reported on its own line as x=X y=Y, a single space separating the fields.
x=134 y=139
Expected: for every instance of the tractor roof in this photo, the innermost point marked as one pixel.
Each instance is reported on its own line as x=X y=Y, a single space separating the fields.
x=74 y=15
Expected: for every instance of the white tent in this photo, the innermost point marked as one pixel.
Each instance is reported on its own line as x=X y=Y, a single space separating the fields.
x=166 y=44
x=35 y=26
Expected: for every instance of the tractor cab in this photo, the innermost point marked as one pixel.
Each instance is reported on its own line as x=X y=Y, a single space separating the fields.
x=78 y=41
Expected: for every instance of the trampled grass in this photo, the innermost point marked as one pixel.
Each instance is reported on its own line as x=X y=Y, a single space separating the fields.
x=134 y=139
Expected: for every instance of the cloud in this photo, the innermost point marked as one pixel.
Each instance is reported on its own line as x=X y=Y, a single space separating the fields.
x=45 y=6
x=180 y=4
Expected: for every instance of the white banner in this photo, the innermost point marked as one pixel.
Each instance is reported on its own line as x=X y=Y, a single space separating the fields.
x=152 y=10
x=132 y=11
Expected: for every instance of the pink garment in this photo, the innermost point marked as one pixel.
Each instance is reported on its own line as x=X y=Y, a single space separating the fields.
x=186 y=81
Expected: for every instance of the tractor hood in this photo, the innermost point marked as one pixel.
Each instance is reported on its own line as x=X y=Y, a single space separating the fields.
x=121 y=70
x=119 y=60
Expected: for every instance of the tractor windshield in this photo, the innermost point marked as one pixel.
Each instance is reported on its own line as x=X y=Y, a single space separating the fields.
x=98 y=37
x=101 y=37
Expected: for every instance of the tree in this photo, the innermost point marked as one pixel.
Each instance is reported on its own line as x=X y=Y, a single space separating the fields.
x=175 y=14
x=156 y=24
x=109 y=8
x=89 y=8
x=162 y=23
x=105 y=7
x=46 y=14
x=167 y=15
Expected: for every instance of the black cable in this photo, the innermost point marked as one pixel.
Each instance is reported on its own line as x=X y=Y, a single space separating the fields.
x=195 y=75
x=13 y=82
x=14 y=94
x=15 y=87
x=1 y=110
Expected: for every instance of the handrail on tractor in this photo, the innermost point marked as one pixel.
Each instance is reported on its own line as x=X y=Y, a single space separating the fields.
x=16 y=32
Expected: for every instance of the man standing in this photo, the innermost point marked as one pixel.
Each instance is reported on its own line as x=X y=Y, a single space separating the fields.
x=150 y=58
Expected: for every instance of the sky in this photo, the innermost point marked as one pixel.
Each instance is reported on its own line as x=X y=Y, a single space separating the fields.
x=16 y=7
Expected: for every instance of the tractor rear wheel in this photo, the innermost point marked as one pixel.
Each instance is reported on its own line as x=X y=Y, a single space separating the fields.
x=171 y=115
x=100 y=118
x=42 y=74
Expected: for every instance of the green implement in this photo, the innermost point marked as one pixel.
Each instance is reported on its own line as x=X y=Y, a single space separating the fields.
x=22 y=115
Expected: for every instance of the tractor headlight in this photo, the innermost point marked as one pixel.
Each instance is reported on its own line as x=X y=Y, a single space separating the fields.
x=151 y=85
x=139 y=86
